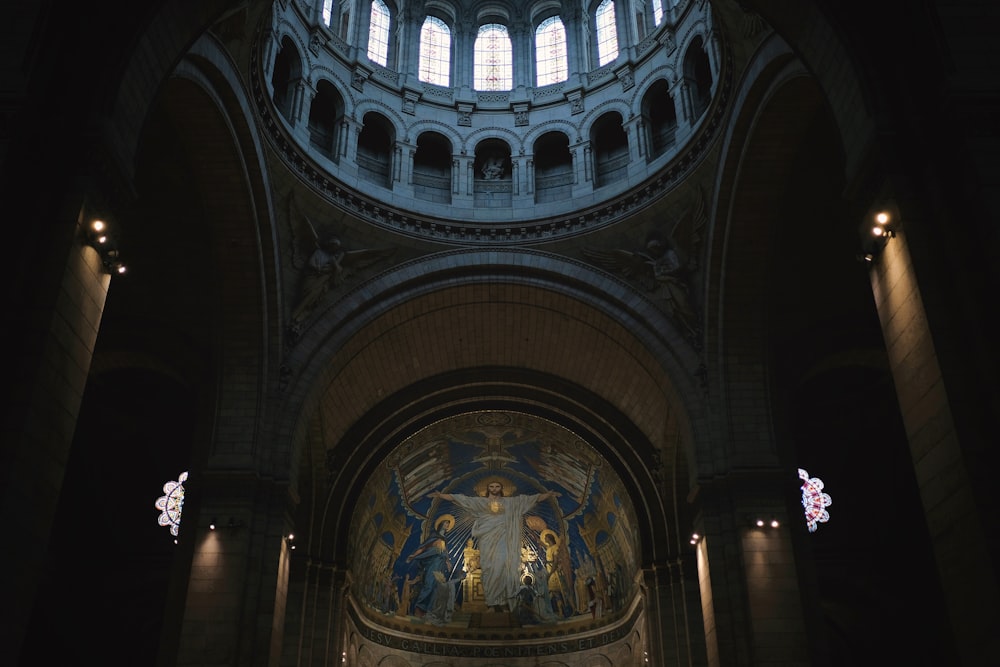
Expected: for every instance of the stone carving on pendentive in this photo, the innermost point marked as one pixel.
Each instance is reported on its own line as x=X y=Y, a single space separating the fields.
x=664 y=266
x=324 y=264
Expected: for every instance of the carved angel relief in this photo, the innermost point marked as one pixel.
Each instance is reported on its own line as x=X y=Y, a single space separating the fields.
x=664 y=267
x=327 y=265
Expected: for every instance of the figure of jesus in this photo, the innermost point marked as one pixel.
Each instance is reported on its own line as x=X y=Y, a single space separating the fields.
x=497 y=529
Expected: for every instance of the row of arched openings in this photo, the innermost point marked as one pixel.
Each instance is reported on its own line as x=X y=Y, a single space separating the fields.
x=553 y=173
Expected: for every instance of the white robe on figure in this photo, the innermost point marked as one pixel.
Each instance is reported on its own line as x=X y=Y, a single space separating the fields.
x=497 y=529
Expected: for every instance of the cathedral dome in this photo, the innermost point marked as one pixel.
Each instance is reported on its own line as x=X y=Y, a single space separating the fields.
x=501 y=121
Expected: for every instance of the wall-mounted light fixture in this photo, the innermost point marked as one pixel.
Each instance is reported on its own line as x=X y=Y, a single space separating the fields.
x=289 y=540
x=761 y=522
x=102 y=239
x=695 y=538
x=876 y=231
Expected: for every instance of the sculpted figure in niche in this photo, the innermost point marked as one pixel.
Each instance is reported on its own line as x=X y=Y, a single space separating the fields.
x=492 y=168
x=497 y=526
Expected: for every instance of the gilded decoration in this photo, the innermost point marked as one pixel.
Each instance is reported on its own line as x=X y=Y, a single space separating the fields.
x=494 y=520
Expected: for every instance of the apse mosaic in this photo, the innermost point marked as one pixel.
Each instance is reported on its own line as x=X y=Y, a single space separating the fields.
x=494 y=518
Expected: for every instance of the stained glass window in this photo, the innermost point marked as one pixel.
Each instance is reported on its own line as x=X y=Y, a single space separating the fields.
x=494 y=60
x=814 y=501
x=435 y=52
x=171 y=505
x=550 y=52
x=607 y=33
x=378 y=33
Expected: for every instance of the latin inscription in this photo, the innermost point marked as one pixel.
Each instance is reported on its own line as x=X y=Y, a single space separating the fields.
x=458 y=651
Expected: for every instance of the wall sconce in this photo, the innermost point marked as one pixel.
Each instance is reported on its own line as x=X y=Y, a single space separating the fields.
x=288 y=540
x=101 y=239
x=232 y=524
x=875 y=233
x=695 y=538
x=766 y=523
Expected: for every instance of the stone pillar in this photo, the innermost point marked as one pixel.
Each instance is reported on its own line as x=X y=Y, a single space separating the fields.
x=235 y=604
x=751 y=600
x=50 y=368
x=680 y=108
x=295 y=115
x=320 y=636
x=950 y=462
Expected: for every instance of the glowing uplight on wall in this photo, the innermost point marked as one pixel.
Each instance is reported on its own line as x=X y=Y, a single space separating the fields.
x=875 y=233
x=101 y=238
x=171 y=504
x=814 y=500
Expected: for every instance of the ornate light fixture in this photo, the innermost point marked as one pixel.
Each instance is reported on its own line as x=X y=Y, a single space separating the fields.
x=814 y=500
x=171 y=505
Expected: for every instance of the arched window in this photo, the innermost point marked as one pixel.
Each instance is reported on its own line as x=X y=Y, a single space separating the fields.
x=435 y=52
x=378 y=33
x=550 y=52
x=657 y=12
x=607 y=33
x=494 y=59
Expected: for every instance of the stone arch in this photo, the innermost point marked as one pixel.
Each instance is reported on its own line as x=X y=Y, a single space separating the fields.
x=376 y=148
x=698 y=75
x=286 y=73
x=610 y=149
x=660 y=118
x=326 y=115
x=432 y=167
x=553 y=162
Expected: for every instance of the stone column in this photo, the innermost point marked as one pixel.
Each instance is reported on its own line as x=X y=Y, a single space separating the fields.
x=750 y=591
x=50 y=366
x=235 y=606
x=950 y=450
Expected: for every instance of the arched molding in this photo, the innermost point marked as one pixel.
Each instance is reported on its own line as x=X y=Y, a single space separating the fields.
x=367 y=106
x=343 y=88
x=231 y=173
x=439 y=127
x=665 y=73
x=509 y=137
x=620 y=106
x=314 y=366
x=571 y=131
x=782 y=100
